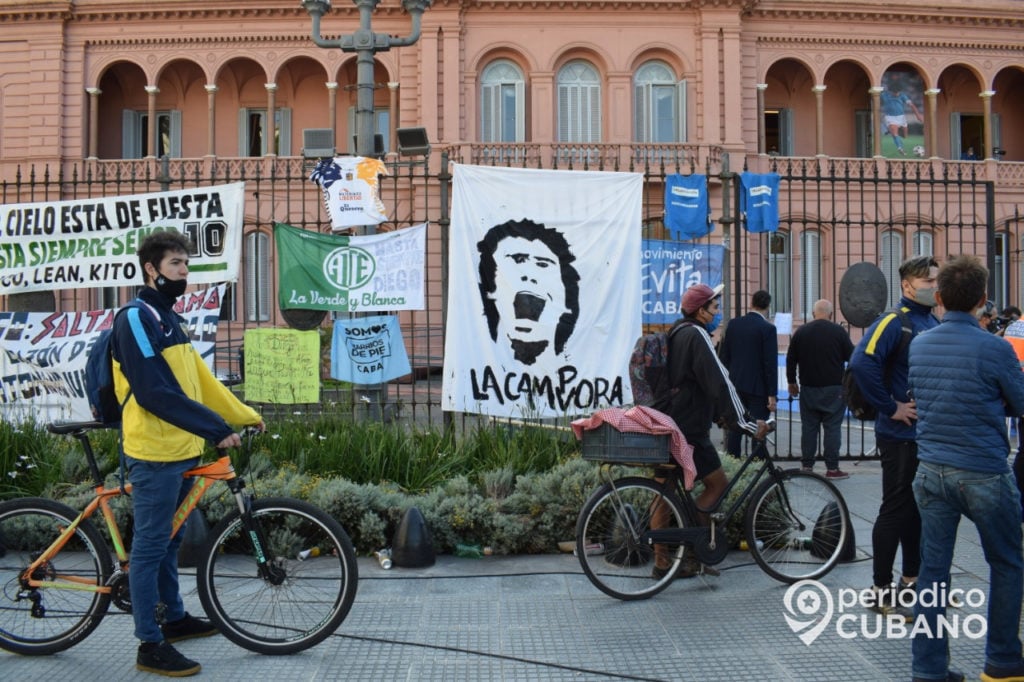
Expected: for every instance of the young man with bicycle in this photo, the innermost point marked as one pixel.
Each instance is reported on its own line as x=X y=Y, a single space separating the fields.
x=705 y=393
x=172 y=406
x=966 y=382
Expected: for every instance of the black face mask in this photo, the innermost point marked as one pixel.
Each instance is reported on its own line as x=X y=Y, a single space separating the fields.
x=171 y=287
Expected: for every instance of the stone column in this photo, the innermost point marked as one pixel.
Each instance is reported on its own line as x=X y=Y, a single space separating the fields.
x=151 y=92
x=94 y=122
x=211 y=120
x=986 y=101
x=876 y=121
x=761 y=143
x=932 y=101
x=819 y=103
x=270 y=134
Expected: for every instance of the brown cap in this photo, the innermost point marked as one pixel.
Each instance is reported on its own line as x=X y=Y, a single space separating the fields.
x=699 y=294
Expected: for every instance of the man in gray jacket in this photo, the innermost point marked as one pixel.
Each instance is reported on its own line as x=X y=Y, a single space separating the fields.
x=966 y=382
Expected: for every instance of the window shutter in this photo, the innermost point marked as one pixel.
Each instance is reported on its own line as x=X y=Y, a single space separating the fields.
x=488 y=109
x=257 y=278
x=520 y=111
x=593 y=114
x=243 y=132
x=641 y=112
x=175 y=150
x=891 y=257
x=786 y=132
x=955 y=148
x=284 y=132
x=564 y=97
x=129 y=134
x=681 y=113
x=810 y=276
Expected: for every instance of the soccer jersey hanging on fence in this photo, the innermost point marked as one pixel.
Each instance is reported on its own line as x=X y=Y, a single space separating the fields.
x=349 y=185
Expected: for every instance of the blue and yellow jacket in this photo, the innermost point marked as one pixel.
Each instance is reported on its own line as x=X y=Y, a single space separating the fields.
x=176 y=402
x=870 y=358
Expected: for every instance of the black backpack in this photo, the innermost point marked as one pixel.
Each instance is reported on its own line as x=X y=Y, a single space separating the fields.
x=648 y=368
x=856 y=401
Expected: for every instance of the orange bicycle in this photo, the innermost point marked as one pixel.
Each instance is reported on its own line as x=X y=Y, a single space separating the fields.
x=276 y=576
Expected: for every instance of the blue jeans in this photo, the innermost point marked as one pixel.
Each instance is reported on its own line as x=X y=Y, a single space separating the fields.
x=821 y=407
x=157 y=490
x=992 y=502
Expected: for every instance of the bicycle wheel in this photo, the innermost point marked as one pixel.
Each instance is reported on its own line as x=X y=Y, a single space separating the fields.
x=796 y=530
x=612 y=538
x=36 y=621
x=311 y=589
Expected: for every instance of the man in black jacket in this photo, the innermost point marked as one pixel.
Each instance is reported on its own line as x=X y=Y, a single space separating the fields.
x=750 y=351
x=819 y=349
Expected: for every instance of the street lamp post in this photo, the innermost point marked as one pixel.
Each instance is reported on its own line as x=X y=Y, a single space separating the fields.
x=365 y=43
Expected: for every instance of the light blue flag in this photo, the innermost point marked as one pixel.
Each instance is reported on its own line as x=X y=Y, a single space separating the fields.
x=368 y=350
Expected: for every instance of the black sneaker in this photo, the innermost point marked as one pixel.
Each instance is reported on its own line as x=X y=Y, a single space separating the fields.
x=886 y=602
x=1014 y=673
x=164 y=659
x=188 y=627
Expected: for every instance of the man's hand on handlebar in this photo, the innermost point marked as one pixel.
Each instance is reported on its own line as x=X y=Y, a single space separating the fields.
x=764 y=427
x=235 y=439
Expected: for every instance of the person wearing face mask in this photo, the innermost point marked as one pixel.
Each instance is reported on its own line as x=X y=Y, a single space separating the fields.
x=966 y=382
x=172 y=406
x=705 y=395
x=880 y=367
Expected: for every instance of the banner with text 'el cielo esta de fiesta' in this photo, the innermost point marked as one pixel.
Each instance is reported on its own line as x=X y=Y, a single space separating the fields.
x=93 y=242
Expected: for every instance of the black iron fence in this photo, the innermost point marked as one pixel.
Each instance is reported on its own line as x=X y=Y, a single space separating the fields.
x=833 y=213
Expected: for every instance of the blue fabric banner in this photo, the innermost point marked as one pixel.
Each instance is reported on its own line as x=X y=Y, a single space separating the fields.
x=686 y=206
x=667 y=269
x=760 y=201
x=368 y=350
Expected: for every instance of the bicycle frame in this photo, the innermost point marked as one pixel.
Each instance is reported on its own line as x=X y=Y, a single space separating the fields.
x=205 y=475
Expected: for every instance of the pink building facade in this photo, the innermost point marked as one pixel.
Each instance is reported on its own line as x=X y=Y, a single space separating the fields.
x=106 y=86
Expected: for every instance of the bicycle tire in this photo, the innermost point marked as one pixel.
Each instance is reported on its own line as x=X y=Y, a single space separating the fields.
x=27 y=527
x=314 y=589
x=805 y=545
x=610 y=538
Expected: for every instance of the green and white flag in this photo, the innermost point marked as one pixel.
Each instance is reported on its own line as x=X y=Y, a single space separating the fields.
x=350 y=274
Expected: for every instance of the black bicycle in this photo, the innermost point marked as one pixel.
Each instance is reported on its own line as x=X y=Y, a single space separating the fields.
x=634 y=532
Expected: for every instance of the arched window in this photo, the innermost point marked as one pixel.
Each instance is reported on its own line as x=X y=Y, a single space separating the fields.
x=257 y=277
x=659 y=104
x=502 y=103
x=579 y=103
x=810 y=271
x=891 y=258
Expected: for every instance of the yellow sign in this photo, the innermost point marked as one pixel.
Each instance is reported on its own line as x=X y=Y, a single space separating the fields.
x=282 y=366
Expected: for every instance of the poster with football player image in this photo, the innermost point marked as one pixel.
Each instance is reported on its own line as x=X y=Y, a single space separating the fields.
x=544 y=299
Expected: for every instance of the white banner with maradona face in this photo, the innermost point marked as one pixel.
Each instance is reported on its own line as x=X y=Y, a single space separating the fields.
x=544 y=291
x=42 y=355
x=53 y=245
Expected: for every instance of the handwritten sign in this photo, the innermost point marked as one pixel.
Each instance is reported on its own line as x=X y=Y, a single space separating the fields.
x=282 y=366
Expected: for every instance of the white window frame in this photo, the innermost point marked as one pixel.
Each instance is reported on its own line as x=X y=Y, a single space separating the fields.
x=890 y=258
x=654 y=81
x=780 y=271
x=246 y=132
x=579 y=103
x=257 y=277
x=134 y=132
x=498 y=80
x=810 y=271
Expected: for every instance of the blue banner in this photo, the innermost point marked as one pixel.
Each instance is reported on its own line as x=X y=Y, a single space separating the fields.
x=686 y=206
x=368 y=350
x=759 y=200
x=667 y=269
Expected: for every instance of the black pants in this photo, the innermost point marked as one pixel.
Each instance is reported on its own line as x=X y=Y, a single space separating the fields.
x=898 y=523
x=757 y=408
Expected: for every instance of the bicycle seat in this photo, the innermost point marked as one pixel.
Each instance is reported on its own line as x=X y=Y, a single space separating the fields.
x=64 y=428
